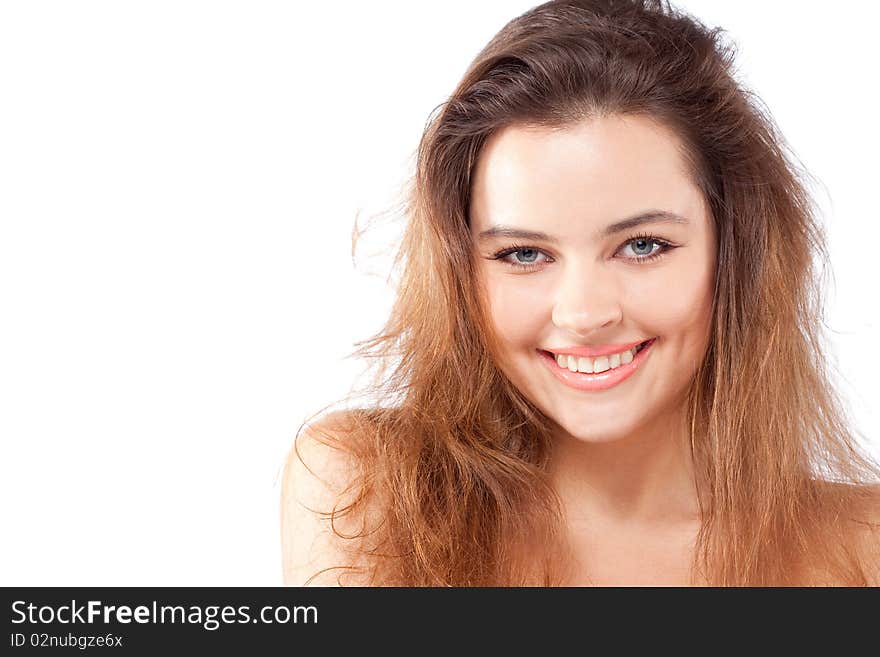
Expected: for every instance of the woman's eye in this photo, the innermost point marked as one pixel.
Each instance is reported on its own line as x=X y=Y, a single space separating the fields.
x=522 y=258
x=642 y=247
x=525 y=256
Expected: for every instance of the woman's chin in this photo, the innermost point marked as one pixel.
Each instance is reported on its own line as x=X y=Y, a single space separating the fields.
x=598 y=432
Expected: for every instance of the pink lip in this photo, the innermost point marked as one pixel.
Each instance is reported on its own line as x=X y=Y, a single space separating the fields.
x=592 y=352
x=595 y=382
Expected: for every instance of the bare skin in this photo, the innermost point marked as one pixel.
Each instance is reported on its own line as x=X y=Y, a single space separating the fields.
x=621 y=462
x=620 y=459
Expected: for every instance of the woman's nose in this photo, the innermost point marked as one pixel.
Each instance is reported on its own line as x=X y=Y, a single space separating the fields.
x=586 y=301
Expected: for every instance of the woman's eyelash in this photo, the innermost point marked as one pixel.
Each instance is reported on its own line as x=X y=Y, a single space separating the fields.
x=665 y=247
x=516 y=248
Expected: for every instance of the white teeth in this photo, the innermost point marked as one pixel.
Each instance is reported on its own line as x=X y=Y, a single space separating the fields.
x=601 y=364
x=595 y=365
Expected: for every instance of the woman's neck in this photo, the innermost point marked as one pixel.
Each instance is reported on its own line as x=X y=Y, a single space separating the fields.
x=639 y=480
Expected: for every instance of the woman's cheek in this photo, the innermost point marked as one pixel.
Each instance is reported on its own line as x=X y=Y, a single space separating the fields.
x=517 y=307
x=673 y=296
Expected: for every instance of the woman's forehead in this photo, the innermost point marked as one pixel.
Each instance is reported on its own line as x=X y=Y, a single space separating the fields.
x=584 y=175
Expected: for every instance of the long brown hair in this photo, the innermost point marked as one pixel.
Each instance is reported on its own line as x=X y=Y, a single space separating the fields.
x=454 y=456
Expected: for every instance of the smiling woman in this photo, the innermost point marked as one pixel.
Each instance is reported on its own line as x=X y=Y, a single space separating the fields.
x=603 y=365
x=573 y=180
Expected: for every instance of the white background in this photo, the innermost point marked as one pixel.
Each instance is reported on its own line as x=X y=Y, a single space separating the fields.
x=178 y=185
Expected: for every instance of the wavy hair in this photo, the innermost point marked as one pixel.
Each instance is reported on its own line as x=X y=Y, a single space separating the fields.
x=454 y=457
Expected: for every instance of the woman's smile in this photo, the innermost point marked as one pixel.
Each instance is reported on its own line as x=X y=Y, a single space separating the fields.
x=599 y=373
x=600 y=233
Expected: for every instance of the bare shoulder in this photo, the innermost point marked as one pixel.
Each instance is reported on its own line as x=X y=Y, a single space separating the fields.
x=868 y=533
x=320 y=476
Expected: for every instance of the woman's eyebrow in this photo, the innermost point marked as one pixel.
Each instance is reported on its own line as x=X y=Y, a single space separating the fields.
x=650 y=217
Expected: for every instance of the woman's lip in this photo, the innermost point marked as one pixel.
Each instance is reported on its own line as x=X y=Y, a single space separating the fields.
x=593 y=352
x=602 y=380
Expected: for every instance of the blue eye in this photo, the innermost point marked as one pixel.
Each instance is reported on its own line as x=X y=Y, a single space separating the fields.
x=525 y=257
x=529 y=255
x=645 y=248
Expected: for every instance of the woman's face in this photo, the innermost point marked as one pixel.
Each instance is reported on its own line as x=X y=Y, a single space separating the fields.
x=590 y=288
